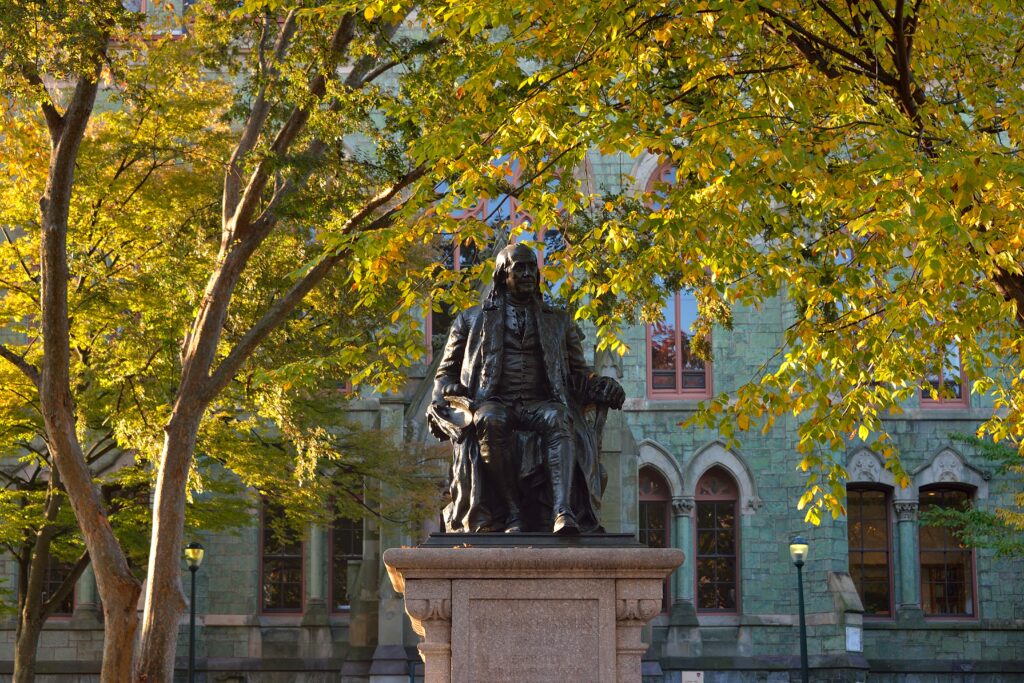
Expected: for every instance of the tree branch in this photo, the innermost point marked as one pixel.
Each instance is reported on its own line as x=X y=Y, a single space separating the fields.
x=809 y=38
x=29 y=370
x=241 y=217
x=281 y=308
x=850 y=31
x=66 y=586
x=257 y=118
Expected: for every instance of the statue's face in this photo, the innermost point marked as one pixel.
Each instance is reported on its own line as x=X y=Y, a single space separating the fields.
x=523 y=277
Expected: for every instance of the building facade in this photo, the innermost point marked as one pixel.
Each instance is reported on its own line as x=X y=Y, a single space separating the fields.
x=887 y=597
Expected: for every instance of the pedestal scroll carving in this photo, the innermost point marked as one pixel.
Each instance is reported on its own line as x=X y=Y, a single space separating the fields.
x=638 y=602
x=429 y=606
x=419 y=611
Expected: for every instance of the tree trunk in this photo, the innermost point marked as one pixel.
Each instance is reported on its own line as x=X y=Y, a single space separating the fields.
x=1011 y=286
x=165 y=598
x=30 y=623
x=118 y=588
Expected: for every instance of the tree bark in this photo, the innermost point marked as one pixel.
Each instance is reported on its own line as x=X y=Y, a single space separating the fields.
x=1011 y=286
x=30 y=623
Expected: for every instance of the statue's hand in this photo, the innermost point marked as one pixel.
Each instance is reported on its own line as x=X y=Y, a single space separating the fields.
x=454 y=389
x=607 y=391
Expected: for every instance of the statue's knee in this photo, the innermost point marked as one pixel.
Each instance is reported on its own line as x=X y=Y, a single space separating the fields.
x=556 y=418
x=490 y=420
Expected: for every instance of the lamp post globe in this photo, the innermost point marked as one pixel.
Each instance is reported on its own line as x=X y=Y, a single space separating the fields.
x=194 y=553
x=798 y=550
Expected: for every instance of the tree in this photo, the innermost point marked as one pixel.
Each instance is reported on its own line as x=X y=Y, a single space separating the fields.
x=133 y=239
x=121 y=325
x=805 y=170
x=860 y=159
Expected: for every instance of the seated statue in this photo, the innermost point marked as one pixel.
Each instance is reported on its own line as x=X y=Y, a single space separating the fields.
x=510 y=393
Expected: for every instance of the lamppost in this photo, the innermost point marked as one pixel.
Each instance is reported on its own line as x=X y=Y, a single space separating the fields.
x=193 y=558
x=798 y=552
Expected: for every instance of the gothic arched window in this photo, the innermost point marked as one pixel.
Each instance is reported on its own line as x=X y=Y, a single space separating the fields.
x=869 y=543
x=717 y=542
x=947 y=566
x=655 y=521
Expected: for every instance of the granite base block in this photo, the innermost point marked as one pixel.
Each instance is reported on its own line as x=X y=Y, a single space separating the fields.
x=541 y=615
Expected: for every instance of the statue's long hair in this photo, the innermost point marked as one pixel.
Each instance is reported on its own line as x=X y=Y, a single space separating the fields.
x=499 y=289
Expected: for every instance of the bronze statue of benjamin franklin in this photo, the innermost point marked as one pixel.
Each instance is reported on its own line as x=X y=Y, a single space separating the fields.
x=510 y=393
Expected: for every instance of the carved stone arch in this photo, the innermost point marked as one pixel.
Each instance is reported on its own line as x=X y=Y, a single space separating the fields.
x=864 y=466
x=716 y=453
x=652 y=454
x=584 y=173
x=643 y=168
x=948 y=466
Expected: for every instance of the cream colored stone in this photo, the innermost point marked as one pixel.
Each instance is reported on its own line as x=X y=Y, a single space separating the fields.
x=531 y=615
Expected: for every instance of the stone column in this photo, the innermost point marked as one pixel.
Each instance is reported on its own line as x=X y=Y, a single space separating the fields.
x=86 y=611
x=682 y=532
x=429 y=605
x=390 y=661
x=316 y=607
x=906 y=527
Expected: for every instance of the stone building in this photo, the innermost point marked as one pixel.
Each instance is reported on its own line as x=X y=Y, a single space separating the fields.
x=887 y=598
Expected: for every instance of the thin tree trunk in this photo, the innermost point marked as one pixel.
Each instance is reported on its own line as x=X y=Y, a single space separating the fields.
x=118 y=588
x=30 y=623
x=26 y=645
x=33 y=610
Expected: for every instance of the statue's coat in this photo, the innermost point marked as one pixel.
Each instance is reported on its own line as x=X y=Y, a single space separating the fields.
x=472 y=357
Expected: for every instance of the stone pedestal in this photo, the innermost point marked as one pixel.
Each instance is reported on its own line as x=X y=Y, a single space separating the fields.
x=514 y=614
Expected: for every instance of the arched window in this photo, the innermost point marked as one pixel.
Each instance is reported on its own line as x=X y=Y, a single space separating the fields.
x=717 y=542
x=947 y=567
x=655 y=520
x=869 y=542
x=672 y=370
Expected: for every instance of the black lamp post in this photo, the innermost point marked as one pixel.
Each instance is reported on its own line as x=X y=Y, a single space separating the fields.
x=798 y=552
x=193 y=558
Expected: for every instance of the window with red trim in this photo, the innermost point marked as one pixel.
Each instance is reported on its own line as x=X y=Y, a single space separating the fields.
x=672 y=369
x=346 y=548
x=281 y=562
x=946 y=386
x=868 y=532
x=717 y=542
x=654 y=525
x=947 y=566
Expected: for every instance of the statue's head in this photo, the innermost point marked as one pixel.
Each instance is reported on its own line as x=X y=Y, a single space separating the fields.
x=515 y=270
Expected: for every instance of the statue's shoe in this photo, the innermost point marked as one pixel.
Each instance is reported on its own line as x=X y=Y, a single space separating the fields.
x=565 y=525
x=514 y=527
